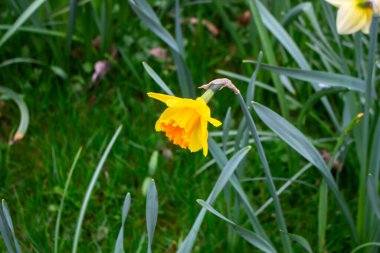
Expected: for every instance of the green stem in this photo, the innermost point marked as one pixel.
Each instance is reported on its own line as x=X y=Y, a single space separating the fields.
x=366 y=128
x=323 y=195
x=272 y=188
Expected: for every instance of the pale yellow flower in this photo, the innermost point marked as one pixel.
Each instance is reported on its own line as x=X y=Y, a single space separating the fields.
x=353 y=15
x=185 y=121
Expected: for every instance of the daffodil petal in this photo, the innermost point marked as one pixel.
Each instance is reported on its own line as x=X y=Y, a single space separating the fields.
x=339 y=3
x=366 y=27
x=163 y=98
x=350 y=19
x=204 y=137
x=195 y=143
x=214 y=122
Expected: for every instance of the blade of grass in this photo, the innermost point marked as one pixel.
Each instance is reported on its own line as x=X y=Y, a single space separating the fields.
x=55 y=69
x=68 y=180
x=322 y=216
x=71 y=24
x=41 y=31
x=284 y=187
x=365 y=245
x=90 y=189
x=21 y=20
x=230 y=28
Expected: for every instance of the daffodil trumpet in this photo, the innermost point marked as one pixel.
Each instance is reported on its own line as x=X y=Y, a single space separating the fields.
x=354 y=15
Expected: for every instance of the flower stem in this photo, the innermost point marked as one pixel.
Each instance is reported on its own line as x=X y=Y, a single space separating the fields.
x=366 y=128
x=272 y=188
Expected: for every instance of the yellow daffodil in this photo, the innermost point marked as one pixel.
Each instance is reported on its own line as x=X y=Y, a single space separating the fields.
x=353 y=15
x=185 y=121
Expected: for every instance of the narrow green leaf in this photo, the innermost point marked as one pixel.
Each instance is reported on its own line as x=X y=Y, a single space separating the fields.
x=366 y=130
x=301 y=241
x=119 y=245
x=251 y=86
x=365 y=245
x=284 y=187
x=320 y=77
x=8 y=219
x=322 y=216
x=157 y=79
x=284 y=38
x=311 y=101
x=373 y=195
x=90 y=188
x=153 y=161
x=40 y=31
x=226 y=128
x=178 y=29
x=55 y=69
x=249 y=236
x=21 y=20
x=24 y=113
x=226 y=174
x=151 y=212
x=71 y=24
x=149 y=20
x=258 y=84
x=257 y=13
x=270 y=184
x=5 y=232
x=60 y=210
x=291 y=135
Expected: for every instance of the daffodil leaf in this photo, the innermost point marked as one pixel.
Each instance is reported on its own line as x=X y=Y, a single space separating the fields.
x=151 y=212
x=293 y=137
x=24 y=112
x=147 y=15
x=5 y=232
x=226 y=174
x=300 y=240
x=251 y=237
x=8 y=219
x=373 y=195
x=21 y=20
x=119 y=245
x=325 y=78
x=284 y=38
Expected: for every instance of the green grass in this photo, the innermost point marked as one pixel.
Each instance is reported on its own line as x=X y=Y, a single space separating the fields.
x=66 y=115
